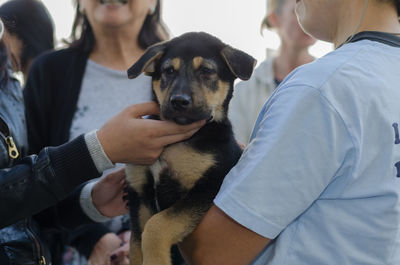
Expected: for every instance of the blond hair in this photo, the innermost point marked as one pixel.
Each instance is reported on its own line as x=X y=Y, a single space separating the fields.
x=273 y=6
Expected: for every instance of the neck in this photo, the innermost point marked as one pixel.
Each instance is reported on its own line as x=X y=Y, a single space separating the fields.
x=116 y=48
x=290 y=58
x=377 y=17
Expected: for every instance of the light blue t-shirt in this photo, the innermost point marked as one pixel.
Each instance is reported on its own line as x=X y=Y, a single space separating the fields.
x=321 y=173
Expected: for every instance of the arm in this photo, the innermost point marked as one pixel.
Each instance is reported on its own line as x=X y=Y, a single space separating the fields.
x=220 y=240
x=38 y=182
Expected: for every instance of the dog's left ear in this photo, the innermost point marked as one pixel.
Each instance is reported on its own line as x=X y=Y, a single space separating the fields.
x=240 y=63
x=147 y=62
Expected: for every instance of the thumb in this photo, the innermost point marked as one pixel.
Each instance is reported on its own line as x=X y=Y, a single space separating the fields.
x=116 y=176
x=143 y=109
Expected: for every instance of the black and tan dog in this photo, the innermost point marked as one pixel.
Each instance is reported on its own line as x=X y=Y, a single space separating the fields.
x=192 y=79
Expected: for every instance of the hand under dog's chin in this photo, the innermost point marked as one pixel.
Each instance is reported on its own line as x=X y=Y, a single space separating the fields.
x=183 y=120
x=186 y=119
x=187 y=116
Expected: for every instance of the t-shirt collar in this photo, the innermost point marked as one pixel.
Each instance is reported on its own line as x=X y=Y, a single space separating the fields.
x=382 y=37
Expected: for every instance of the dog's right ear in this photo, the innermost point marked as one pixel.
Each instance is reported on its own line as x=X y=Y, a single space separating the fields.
x=147 y=62
x=240 y=63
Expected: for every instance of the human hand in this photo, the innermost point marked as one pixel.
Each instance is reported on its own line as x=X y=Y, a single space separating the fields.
x=104 y=247
x=128 y=138
x=108 y=192
x=125 y=236
x=120 y=256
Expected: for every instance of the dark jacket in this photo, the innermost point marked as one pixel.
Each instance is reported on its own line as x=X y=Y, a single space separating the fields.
x=51 y=96
x=31 y=184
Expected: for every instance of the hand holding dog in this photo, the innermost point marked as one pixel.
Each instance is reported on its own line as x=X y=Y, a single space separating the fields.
x=128 y=138
x=107 y=194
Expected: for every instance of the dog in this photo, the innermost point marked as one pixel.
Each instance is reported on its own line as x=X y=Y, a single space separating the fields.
x=192 y=80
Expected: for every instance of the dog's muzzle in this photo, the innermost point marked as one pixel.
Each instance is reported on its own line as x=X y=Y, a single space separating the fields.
x=180 y=102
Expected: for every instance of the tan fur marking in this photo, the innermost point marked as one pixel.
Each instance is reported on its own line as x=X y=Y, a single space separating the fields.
x=197 y=61
x=148 y=67
x=161 y=232
x=187 y=164
x=176 y=63
x=161 y=95
x=136 y=176
x=216 y=99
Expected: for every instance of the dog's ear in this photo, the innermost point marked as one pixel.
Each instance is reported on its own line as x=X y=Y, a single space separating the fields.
x=240 y=63
x=147 y=62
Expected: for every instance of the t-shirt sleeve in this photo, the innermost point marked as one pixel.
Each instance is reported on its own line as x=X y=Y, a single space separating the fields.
x=298 y=145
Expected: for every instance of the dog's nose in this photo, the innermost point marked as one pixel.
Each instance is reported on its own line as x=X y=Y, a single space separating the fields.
x=180 y=102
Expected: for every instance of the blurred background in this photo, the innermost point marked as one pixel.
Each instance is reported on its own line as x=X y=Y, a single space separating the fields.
x=236 y=22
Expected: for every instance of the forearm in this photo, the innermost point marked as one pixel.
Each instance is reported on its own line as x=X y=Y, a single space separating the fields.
x=38 y=182
x=218 y=239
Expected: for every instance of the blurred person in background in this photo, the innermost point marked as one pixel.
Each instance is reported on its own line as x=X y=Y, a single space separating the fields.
x=29 y=32
x=73 y=90
x=250 y=96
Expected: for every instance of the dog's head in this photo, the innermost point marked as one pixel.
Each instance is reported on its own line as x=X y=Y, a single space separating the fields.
x=193 y=76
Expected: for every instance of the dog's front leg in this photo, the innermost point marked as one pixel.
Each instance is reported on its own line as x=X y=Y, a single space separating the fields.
x=167 y=228
x=139 y=211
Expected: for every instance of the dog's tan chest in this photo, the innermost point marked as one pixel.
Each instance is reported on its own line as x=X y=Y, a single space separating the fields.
x=183 y=163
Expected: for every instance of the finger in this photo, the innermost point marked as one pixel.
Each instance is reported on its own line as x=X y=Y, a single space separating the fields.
x=143 y=109
x=167 y=128
x=170 y=139
x=116 y=176
x=125 y=236
x=119 y=254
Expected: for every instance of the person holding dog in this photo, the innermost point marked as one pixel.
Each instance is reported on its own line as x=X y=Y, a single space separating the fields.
x=30 y=184
x=319 y=182
x=250 y=96
x=86 y=84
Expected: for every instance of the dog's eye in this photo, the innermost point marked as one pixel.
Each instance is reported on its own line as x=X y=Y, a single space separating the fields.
x=169 y=71
x=206 y=70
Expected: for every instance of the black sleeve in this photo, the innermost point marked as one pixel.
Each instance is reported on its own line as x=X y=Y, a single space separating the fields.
x=38 y=182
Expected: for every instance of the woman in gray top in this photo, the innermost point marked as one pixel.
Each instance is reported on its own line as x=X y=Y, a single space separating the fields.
x=107 y=38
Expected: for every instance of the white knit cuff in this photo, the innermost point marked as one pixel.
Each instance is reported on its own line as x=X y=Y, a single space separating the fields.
x=99 y=157
x=87 y=205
